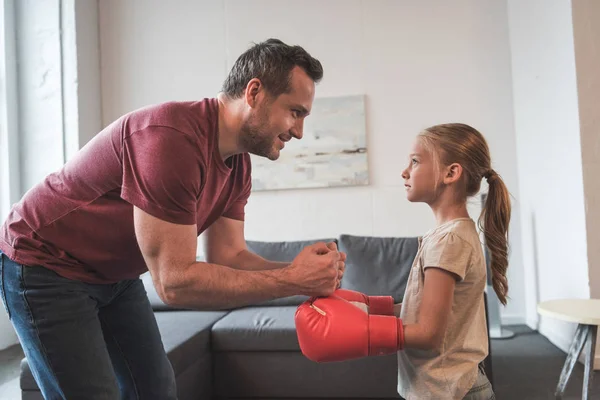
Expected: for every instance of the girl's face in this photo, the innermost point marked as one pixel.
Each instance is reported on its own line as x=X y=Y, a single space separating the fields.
x=420 y=177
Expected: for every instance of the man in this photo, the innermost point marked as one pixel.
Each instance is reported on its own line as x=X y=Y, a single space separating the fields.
x=134 y=199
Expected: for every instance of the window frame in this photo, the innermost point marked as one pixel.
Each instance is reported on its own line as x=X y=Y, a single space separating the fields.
x=9 y=119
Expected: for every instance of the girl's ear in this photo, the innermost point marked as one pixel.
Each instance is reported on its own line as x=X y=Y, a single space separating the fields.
x=453 y=173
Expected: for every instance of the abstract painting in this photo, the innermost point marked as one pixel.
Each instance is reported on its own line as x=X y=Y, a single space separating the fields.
x=333 y=151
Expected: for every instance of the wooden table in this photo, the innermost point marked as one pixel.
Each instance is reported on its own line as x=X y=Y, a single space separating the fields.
x=586 y=313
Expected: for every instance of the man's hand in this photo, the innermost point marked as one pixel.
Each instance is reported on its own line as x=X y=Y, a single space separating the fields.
x=342 y=268
x=317 y=270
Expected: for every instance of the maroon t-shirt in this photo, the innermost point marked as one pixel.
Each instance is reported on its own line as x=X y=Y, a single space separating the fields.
x=163 y=159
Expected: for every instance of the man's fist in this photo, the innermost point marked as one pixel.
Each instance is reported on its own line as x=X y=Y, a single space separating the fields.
x=342 y=266
x=316 y=270
x=333 y=329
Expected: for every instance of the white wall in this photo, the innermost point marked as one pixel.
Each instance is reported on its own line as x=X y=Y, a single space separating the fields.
x=549 y=158
x=418 y=63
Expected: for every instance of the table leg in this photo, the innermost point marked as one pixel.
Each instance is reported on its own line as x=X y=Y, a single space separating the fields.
x=590 y=350
x=574 y=351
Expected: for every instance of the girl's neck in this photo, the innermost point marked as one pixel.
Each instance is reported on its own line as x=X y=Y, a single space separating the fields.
x=446 y=211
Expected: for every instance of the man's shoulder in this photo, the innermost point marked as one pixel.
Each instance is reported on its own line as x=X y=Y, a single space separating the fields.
x=185 y=116
x=206 y=105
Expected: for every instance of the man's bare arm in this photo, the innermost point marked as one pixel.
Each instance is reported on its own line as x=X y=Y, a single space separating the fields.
x=170 y=250
x=225 y=244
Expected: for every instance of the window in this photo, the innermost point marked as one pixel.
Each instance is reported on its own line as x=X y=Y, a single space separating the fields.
x=9 y=146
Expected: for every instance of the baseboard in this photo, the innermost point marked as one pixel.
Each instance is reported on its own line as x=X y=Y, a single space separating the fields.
x=558 y=338
x=532 y=323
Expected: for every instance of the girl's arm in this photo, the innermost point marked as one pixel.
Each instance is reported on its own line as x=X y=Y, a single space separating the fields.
x=438 y=296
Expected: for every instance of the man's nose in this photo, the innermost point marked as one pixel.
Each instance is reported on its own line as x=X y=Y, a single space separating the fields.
x=297 y=130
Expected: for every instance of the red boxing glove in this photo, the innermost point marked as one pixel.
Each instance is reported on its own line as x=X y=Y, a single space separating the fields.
x=332 y=329
x=378 y=305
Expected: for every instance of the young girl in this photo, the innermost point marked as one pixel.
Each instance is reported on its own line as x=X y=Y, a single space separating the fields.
x=441 y=331
x=443 y=307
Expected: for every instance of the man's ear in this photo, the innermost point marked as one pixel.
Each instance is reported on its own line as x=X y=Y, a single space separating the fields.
x=453 y=173
x=254 y=90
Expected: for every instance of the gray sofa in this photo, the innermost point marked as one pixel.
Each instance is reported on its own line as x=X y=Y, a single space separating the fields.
x=253 y=352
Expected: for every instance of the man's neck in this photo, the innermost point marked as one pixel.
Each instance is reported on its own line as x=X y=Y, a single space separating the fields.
x=230 y=124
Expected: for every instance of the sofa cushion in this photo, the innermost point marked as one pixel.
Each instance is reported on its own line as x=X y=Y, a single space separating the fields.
x=256 y=329
x=378 y=265
x=284 y=251
x=185 y=336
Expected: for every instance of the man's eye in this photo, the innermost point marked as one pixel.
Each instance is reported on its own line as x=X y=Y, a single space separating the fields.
x=295 y=113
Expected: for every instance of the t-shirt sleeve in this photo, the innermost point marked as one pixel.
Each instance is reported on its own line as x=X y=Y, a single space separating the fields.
x=450 y=253
x=162 y=173
x=236 y=209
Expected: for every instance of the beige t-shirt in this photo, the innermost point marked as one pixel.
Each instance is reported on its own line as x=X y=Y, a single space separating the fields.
x=450 y=371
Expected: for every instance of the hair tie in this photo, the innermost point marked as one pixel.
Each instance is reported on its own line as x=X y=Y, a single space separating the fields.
x=490 y=175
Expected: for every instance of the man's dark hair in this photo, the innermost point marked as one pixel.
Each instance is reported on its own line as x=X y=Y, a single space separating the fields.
x=272 y=62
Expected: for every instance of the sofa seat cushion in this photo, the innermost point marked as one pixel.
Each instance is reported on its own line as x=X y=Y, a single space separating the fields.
x=185 y=336
x=256 y=329
x=378 y=266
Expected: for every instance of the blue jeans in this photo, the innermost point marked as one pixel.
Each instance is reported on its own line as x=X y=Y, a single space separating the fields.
x=85 y=341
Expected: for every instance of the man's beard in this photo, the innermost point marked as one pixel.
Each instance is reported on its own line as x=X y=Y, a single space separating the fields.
x=255 y=139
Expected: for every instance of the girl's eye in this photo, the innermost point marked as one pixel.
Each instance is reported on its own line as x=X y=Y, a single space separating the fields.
x=414 y=161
